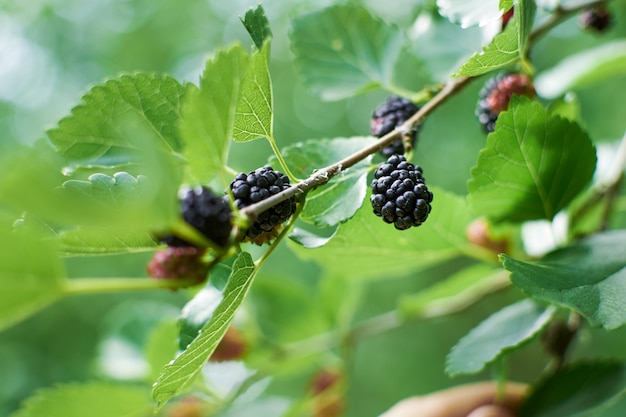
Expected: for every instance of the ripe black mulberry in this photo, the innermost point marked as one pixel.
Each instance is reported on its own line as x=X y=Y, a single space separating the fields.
x=256 y=186
x=399 y=193
x=208 y=213
x=389 y=115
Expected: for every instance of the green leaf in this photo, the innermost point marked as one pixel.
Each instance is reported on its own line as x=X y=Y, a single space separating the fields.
x=31 y=273
x=365 y=247
x=91 y=135
x=576 y=390
x=95 y=399
x=533 y=165
x=501 y=52
x=178 y=374
x=161 y=347
x=208 y=114
x=505 y=5
x=588 y=277
x=471 y=12
x=586 y=68
x=454 y=293
x=197 y=313
x=503 y=332
x=338 y=200
x=253 y=117
x=30 y=176
x=525 y=9
x=101 y=240
x=257 y=25
x=344 y=50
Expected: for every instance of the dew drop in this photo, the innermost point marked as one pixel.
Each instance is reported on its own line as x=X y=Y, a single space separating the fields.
x=155 y=384
x=171 y=362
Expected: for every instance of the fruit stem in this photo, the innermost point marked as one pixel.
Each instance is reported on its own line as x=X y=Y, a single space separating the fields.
x=560 y=13
x=120 y=284
x=282 y=162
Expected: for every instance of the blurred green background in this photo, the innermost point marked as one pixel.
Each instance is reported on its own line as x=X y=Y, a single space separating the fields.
x=51 y=51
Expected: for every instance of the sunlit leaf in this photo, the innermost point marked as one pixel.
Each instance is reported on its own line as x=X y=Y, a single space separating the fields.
x=504 y=331
x=471 y=12
x=95 y=399
x=588 y=277
x=177 y=375
x=507 y=47
x=533 y=165
x=253 y=117
x=576 y=390
x=92 y=134
x=208 y=114
x=338 y=200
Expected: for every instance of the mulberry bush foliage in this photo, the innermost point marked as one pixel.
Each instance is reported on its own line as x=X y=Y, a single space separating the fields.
x=143 y=165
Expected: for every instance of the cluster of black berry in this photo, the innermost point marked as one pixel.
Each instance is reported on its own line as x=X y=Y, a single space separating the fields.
x=388 y=116
x=212 y=216
x=399 y=193
x=258 y=185
x=496 y=94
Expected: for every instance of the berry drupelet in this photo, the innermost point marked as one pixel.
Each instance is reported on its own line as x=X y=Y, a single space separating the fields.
x=256 y=186
x=496 y=94
x=399 y=193
x=208 y=213
x=389 y=115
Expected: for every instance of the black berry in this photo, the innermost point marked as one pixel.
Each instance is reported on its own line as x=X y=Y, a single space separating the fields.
x=389 y=115
x=399 y=193
x=595 y=18
x=496 y=94
x=208 y=213
x=258 y=185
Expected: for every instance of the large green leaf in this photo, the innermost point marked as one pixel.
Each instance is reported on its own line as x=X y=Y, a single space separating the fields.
x=208 y=114
x=367 y=247
x=178 y=374
x=31 y=273
x=534 y=164
x=507 y=47
x=253 y=117
x=504 y=331
x=344 y=50
x=576 y=390
x=338 y=200
x=93 y=133
x=93 y=399
x=588 y=277
x=583 y=69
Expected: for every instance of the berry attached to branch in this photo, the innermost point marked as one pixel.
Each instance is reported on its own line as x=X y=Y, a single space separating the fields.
x=388 y=116
x=208 y=213
x=256 y=186
x=496 y=94
x=399 y=193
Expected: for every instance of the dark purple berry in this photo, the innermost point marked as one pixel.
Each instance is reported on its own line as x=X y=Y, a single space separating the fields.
x=399 y=193
x=256 y=186
x=389 y=115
